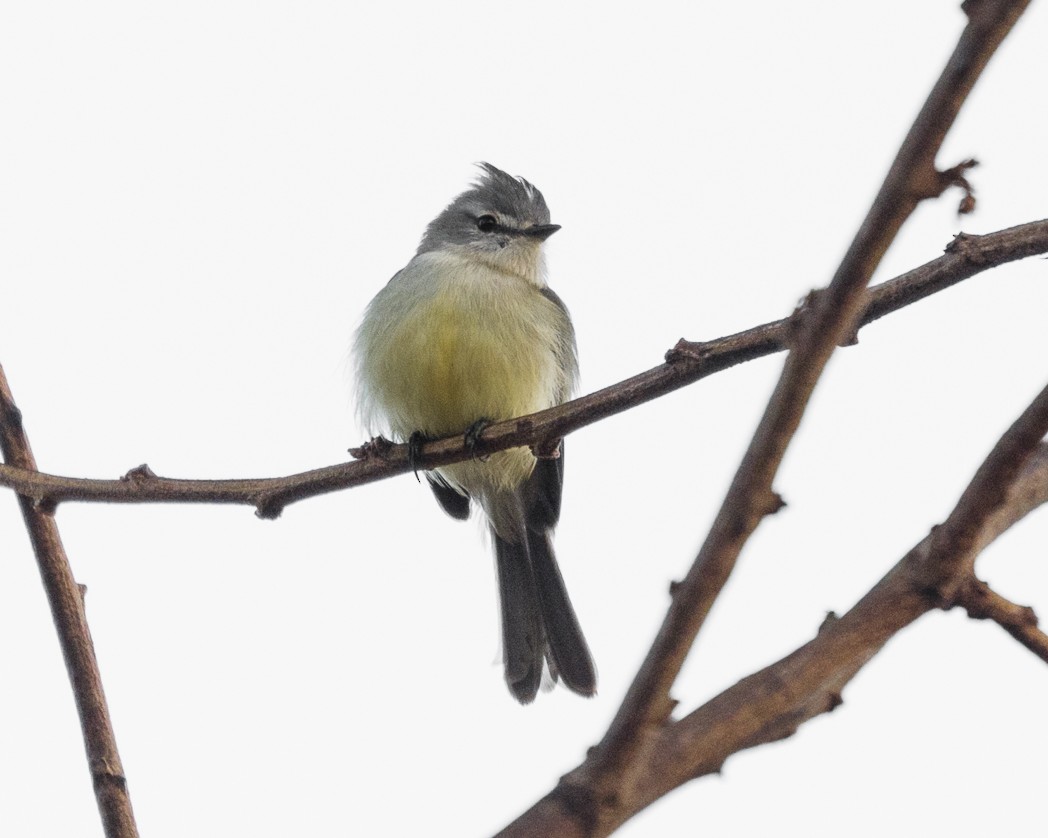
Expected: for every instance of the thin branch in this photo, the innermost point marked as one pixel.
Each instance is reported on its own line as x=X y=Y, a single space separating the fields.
x=67 y=610
x=687 y=363
x=983 y=603
x=830 y=317
x=773 y=703
x=609 y=786
x=957 y=542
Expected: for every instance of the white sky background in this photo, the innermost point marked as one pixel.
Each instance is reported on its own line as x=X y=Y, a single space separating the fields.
x=197 y=200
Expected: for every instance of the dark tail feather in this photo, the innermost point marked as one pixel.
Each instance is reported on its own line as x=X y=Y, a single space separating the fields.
x=523 y=641
x=567 y=646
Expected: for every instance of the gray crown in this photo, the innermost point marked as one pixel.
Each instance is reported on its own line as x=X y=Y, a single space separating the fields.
x=513 y=201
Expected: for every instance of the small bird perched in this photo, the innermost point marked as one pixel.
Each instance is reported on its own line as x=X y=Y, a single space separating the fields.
x=466 y=334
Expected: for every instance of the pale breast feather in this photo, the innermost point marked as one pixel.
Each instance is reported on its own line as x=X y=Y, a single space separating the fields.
x=462 y=342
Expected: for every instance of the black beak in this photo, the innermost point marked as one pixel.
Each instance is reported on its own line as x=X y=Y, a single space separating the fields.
x=541 y=231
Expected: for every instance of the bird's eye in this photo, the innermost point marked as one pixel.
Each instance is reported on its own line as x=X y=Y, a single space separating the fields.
x=487 y=223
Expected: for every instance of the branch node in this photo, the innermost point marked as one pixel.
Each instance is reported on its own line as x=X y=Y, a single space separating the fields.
x=982 y=603
x=967 y=245
x=827 y=621
x=11 y=414
x=579 y=802
x=939 y=595
x=955 y=176
x=102 y=771
x=971 y=8
x=268 y=507
x=377 y=446
x=686 y=350
x=802 y=313
x=139 y=475
x=45 y=504
x=851 y=338
x=547 y=449
x=771 y=504
x=662 y=711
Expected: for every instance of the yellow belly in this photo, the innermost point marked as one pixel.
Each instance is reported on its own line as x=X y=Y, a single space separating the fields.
x=448 y=364
x=457 y=345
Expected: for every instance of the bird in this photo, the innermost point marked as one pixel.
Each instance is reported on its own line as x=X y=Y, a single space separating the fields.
x=466 y=334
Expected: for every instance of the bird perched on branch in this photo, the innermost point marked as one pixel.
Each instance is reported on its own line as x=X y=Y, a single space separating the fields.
x=468 y=333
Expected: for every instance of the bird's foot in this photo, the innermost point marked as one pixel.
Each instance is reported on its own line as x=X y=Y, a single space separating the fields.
x=415 y=443
x=472 y=438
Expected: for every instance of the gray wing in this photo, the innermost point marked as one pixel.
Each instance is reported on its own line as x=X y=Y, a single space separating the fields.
x=451 y=500
x=565 y=350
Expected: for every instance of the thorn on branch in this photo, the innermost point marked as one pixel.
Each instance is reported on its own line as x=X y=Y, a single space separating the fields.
x=773 y=502
x=827 y=621
x=834 y=701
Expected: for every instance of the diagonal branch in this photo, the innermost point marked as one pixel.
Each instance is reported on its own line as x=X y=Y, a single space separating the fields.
x=609 y=786
x=688 y=362
x=773 y=703
x=955 y=545
x=74 y=636
x=831 y=315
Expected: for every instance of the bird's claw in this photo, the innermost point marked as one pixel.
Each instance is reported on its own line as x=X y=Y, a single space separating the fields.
x=415 y=443
x=472 y=438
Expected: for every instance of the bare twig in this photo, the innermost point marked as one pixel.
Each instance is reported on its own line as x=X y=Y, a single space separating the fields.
x=983 y=603
x=773 y=703
x=957 y=542
x=67 y=610
x=687 y=363
x=611 y=784
x=829 y=318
